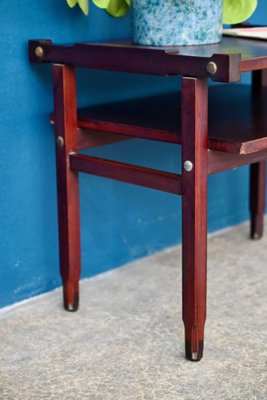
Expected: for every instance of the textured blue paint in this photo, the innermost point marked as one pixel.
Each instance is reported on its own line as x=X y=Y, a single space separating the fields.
x=119 y=222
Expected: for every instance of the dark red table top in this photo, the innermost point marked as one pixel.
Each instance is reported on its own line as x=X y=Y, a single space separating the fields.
x=232 y=56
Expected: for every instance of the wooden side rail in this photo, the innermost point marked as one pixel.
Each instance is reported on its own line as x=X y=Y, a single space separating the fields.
x=146 y=177
x=88 y=140
x=162 y=135
x=126 y=57
x=219 y=161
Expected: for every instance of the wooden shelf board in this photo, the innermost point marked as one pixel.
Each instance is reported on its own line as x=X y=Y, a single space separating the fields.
x=236 y=124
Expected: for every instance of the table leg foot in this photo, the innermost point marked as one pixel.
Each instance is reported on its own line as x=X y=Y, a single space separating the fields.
x=257 y=199
x=256 y=227
x=193 y=353
x=70 y=298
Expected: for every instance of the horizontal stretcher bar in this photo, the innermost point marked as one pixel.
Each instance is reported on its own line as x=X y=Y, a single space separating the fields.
x=146 y=177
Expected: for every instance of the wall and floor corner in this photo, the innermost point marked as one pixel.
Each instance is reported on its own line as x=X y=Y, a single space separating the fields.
x=119 y=222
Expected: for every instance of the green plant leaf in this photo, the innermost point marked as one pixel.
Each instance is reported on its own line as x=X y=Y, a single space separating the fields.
x=101 y=3
x=117 y=8
x=72 y=3
x=84 y=6
x=128 y=2
x=236 y=11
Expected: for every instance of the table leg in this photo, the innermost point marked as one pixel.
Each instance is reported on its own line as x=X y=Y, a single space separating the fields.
x=258 y=170
x=67 y=183
x=194 y=212
x=257 y=198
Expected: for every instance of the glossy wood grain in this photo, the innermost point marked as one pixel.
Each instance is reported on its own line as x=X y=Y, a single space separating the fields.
x=219 y=129
x=147 y=177
x=238 y=129
x=220 y=161
x=194 y=213
x=88 y=139
x=258 y=170
x=257 y=198
x=232 y=56
x=67 y=184
x=126 y=57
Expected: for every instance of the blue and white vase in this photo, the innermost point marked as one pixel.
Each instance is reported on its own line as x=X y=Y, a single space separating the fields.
x=176 y=22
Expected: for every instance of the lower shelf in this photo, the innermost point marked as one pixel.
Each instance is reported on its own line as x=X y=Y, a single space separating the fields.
x=237 y=121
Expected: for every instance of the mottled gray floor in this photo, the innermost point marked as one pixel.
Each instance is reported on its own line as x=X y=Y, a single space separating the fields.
x=126 y=342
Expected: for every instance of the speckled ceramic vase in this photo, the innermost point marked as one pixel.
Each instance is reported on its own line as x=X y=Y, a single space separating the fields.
x=176 y=22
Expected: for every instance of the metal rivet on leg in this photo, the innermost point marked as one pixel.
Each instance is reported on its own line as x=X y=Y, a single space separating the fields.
x=212 y=68
x=39 y=51
x=60 y=141
x=188 y=166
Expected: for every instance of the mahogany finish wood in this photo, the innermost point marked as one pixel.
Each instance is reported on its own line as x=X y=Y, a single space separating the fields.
x=126 y=129
x=126 y=57
x=219 y=161
x=232 y=56
x=228 y=132
x=147 y=177
x=194 y=213
x=88 y=140
x=258 y=170
x=67 y=184
x=239 y=129
x=257 y=198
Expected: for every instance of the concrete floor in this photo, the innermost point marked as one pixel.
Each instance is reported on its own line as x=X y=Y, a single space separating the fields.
x=126 y=341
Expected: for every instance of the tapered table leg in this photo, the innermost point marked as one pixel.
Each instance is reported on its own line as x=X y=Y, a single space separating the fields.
x=257 y=198
x=194 y=212
x=258 y=170
x=67 y=183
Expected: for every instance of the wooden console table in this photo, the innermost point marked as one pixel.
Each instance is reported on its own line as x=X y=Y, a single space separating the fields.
x=226 y=132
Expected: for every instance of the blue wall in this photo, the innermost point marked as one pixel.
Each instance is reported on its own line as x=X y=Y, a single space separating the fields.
x=119 y=222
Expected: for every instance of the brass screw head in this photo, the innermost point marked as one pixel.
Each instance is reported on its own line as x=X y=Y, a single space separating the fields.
x=212 y=68
x=39 y=51
x=60 y=141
